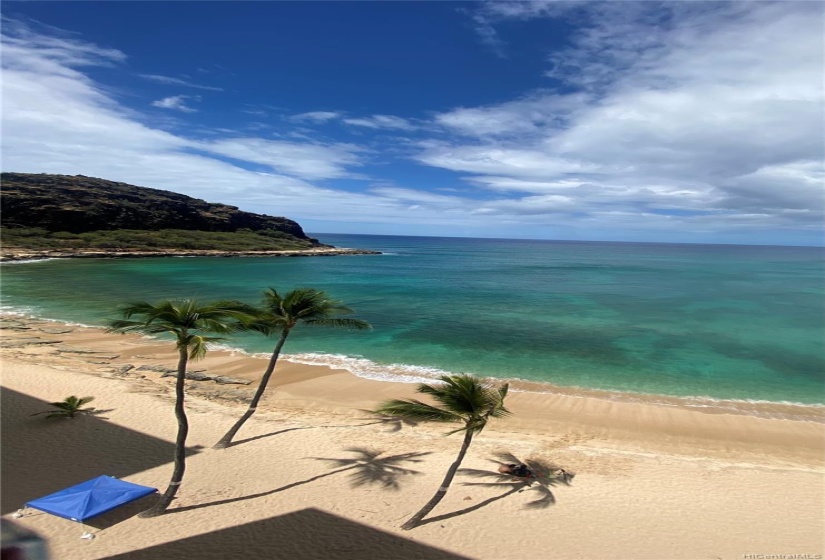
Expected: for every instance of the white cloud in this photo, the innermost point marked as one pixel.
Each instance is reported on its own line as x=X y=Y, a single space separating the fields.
x=177 y=82
x=382 y=121
x=308 y=161
x=316 y=116
x=176 y=103
x=659 y=147
x=529 y=116
x=57 y=120
x=713 y=108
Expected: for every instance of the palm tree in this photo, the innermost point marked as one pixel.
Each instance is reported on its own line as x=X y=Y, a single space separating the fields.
x=68 y=407
x=463 y=399
x=189 y=322
x=279 y=315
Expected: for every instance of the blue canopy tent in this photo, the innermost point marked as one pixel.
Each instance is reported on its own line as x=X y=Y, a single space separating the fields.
x=90 y=499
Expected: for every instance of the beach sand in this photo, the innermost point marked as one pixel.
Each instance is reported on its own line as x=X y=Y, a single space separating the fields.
x=310 y=475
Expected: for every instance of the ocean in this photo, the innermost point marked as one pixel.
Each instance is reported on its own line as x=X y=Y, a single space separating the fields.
x=741 y=323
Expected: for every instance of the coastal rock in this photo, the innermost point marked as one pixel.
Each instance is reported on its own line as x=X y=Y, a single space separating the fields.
x=13 y=254
x=14 y=325
x=66 y=348
x=78 y=204
x=28 y=341
x=160 y=369
x=198 y=376
x=223 y=380
x=63 y=216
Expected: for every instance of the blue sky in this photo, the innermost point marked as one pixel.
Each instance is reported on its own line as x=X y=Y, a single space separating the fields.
x=673 y=121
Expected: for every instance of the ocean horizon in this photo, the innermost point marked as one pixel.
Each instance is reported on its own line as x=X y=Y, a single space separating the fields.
x=690 y=321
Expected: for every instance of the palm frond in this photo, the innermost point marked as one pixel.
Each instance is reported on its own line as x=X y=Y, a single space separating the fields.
x=197 y=346
x=341 y=323
x=417 y=410
x=309 y=306
x=461 y=398
x=68 y=407
x=469 y=396
x=127 y=325
x=458 y=393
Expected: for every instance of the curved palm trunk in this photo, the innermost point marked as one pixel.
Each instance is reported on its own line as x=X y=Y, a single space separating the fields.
x=416 y=519
x=226 y=440
x=180 y=442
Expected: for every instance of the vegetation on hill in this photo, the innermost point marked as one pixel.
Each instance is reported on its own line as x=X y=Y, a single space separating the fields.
x=54 y=212
x=142 y=240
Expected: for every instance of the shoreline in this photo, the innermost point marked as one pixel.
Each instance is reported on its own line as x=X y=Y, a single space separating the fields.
x=16 y=255
x=542 y=408
x=395 y=374
x=651 y=481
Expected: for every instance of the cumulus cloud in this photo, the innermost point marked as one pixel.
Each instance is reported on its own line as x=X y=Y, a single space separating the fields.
x=715 y=127
x=716 y=108
x=176 y=103
x=308 y=161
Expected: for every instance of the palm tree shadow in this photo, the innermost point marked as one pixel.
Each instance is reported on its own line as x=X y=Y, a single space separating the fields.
x=387 y=420
x=544 y=475
x=394 y=423
x=367 y=468
x=90 y=412
x=515 y=487
x=262 y=436
x=370 y=468
x=97 y=412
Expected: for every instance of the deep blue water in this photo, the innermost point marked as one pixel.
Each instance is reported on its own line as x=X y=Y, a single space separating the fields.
x=722 y=321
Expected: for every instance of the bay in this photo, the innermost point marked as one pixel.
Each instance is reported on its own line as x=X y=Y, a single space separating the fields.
x=718 y=321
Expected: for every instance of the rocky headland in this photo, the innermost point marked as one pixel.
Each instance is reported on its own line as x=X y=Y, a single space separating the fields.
x=64 y=216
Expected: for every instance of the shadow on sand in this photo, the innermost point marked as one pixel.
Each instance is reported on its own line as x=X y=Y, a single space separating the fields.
x=41 y=455
x=544 y=475
x=308 y=534
x=366 y=468
x=394 y=424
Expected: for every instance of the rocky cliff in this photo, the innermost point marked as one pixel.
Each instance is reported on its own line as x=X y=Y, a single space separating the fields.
x=79 y=204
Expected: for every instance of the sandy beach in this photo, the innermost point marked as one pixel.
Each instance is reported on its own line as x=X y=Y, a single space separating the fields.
x=314 y=476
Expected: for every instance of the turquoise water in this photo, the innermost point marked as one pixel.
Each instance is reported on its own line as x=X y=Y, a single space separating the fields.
x=720 y=321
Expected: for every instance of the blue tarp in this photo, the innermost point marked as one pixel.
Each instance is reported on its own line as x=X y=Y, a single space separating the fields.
x=88 y=499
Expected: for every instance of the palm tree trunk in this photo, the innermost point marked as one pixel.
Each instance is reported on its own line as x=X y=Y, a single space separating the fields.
x=226 y=440
x=416 y=519
x=180 y=442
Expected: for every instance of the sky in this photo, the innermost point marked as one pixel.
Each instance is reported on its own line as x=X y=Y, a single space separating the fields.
x=695 y=122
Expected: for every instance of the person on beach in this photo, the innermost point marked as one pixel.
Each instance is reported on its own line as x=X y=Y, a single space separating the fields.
x=521 y=470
